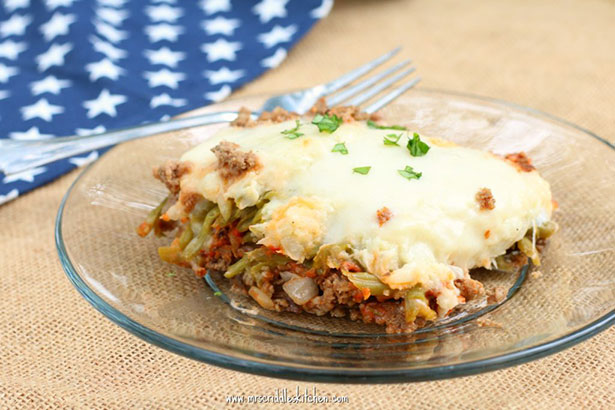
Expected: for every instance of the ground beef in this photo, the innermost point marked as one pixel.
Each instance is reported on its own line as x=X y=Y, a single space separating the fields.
x=189 y=200
x=232 y=162
x=346 y=113
x=469 y=288
x=244 y=119
x=485 y=199
x=277 y=115
x=383 y=214
x=390 y=314
x=521 y=161
x=170 y=174
x=320 y=107
x=496 y=295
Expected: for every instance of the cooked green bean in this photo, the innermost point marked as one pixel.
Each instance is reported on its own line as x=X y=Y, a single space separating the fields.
x=503 y=264
x=170 y=254
x=547 y=229
x=185 y=237
x=197 y=243
x=151 y=219
x=200 y=210
x=237 y=268
x=246 y=219
x=527 y=247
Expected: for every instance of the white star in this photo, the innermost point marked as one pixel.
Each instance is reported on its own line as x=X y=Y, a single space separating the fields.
x=81 y=161
x=109 y=32
x=105 y=103
x=323 y=10
x=108 y=49
x=223 y=75
x=165 y=56
x=32 y=134
x=164 y=12
x=112 y=3
x=269 y=9
x=26 y=176
x=104 y=68
x=10 y=49
x=53 y=4
x=15 y=26
x=165 y=99
x=112 y=16
x=4 y=94
x=49 y=84
x=214 y=6
x=275 y=59
x=7 y=72
x=220 y=25
x=41 y=109
x=163 y=77
x=221 y=50
x=219 y=95
x=14 y=193
x=99 y=129
x=58 y=25
x=163 y=31
x=277 y=35
x=54 y=56
x=12 y=5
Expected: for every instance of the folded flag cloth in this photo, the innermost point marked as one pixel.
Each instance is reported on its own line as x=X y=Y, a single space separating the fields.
x=74 y=67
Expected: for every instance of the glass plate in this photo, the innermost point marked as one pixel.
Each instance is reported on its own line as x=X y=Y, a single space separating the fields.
x=574 y=297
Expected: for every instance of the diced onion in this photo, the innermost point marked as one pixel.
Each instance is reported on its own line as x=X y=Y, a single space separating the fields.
x=261 y=298
x=301 y=290
x=286 y=276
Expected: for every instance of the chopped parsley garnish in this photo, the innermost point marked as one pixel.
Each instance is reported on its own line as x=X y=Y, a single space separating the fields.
x=327 y=123
x=217 y=293
x=362 y=170
x=170 y=274
x=293 y=133
x=417 y=147
x=372 y=124
x=341 y=148
x=391 y=139
x=409 y=173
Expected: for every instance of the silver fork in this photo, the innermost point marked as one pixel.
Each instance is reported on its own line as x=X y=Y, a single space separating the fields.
x=18 y=156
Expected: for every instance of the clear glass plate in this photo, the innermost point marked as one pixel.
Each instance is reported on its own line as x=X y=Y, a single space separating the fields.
x=574 y=298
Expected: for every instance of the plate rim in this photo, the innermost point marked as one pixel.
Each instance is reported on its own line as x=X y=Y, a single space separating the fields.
x=359 y=376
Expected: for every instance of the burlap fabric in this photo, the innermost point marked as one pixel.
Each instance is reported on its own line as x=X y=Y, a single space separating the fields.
x=57 y=351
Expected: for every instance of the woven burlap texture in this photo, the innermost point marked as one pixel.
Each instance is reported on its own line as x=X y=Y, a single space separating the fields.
x=57 y=351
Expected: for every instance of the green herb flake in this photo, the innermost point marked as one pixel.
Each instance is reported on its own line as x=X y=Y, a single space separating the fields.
x=362 y=170
x=341 y=148
x=417 y=147
x=327 y=123
x=293 y=133
x=409 y=173
x=372 y=124
x=391 y=139
x=170 y=274
x=217 y=293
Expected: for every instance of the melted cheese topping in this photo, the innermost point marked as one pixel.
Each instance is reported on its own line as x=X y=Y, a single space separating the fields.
x=437 y=230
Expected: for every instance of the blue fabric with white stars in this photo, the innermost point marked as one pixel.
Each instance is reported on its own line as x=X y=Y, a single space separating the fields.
x=74 y=67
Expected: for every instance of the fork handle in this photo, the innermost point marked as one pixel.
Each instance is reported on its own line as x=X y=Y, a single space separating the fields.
x=21 y=155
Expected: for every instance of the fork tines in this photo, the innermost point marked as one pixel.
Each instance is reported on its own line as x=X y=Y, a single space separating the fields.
x=382 y=83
